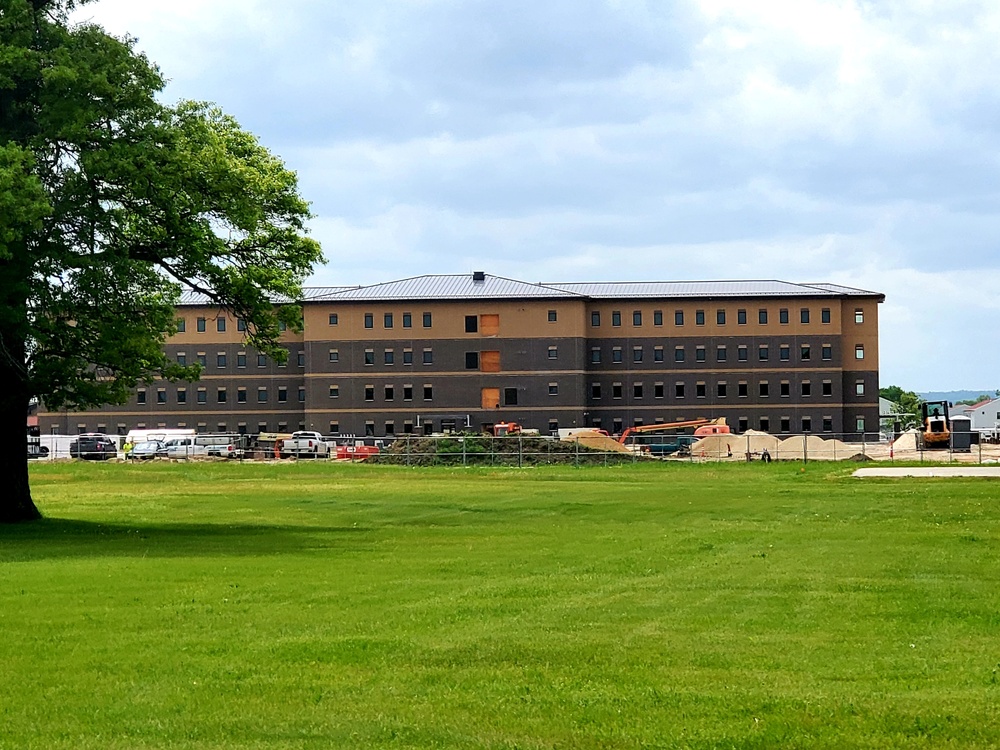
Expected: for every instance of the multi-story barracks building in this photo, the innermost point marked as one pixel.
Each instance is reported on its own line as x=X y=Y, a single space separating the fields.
x=438 y=353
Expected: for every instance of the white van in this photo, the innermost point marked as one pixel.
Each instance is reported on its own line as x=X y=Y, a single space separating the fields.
x=223 y=446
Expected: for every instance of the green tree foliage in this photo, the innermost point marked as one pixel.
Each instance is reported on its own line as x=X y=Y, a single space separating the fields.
x=110 y=203
x=905 y=403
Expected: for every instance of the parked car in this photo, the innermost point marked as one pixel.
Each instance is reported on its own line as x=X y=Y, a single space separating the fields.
x=93 y=447
x=223 y=446
x=145 y=450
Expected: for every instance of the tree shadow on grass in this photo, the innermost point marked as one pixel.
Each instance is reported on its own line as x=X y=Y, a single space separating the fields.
x=53 y=538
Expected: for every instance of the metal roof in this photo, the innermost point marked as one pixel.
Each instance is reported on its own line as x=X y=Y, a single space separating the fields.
x=469 y=286
x=680 y=289
x=444 y=287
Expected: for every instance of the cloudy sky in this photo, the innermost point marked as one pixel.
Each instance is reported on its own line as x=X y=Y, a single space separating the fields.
x=590 y=140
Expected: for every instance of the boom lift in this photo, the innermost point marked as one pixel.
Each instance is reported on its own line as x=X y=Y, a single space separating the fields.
x=702 y=427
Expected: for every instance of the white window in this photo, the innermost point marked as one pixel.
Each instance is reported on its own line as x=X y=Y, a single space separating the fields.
x=859 y=351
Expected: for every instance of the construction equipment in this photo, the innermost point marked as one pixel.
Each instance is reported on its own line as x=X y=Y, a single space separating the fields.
x=937 y=426
x=503 y=429
x=702 y=427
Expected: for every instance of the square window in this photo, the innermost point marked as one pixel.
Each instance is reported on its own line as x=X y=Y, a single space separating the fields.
x=388 y=357
x=616 y=354
x=300 y=359
x=699 y=354
x=552 y=316
x=182 y=396
x=616 y=318
x=742 y=353
x=428 y=358
x=510 y=396
x=369 y=356
x=720 y=354
x=407 y=320
x=369 y=393
x=859 y=388
x=241 y=359
x=827 y=352
x=784 y=389
x=786 y=424
x=553 y=389
x=741 y=389
x=720 y=317
x=595 y=318
x=262 y=395
x=472 y=360
x=182 y=359
x=241 y=395
x=220 y=325
x=807 y=424
x=202 y=396
x=334 y=319
x=427 y=320
x=762 y=317
x=201 y=325
x=678 y=390
x=334 y=355
x=407 y=393
x=699 y=317
x=806 y=388
x=181 y=325
x=741 y=317
x=859 y=424
x=220 y=395
x=765 y=424
x=805 y=352
x=616 y=390
x=679 y=354
x=762 y=353
x=334 y=391
x=678 y=317
x=859 y=351
x=784 y=352
x=389 y=393
x=658 y=354
x=387 y=320
x=471 y=323
x=595 y=390
x=827 y=387
x=202 y=359
x=637 y=318
x=827 y=424
x=302 y=395
x=657 y=317
x=637 y=354
x=804 y=315
x=824 y=316
x=369 y=320
x=657 y=390
x=721 y=389
x=261 y=360
x=637 y=390
x=595 y=355
x=161 y=396
x=699 y=390
x=407 y=356
x=553 y=352
x=763 y=390
x=783 y=316
x=220 y=360
x=859 y=315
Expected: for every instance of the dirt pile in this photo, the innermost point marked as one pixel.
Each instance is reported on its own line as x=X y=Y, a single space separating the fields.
x=596 y=441
x=720 y=446
x=814 y=447
x=484 y=450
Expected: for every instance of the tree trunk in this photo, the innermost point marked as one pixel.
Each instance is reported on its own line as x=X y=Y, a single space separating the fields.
x=15 y=501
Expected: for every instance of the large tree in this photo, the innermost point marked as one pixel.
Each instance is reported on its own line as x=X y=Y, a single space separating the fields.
x=110 y=203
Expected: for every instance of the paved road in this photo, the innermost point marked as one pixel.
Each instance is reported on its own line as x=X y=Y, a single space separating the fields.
x=930 y=471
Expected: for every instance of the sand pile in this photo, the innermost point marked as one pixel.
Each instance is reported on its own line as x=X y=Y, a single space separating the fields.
x=907 y=441
x=815 y=447
x=715 y=446
x=596 y=441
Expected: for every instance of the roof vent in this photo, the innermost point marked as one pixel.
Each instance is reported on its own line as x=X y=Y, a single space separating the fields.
x=479 y=275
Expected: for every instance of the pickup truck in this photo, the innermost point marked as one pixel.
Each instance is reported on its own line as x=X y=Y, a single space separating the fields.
x=304 y=443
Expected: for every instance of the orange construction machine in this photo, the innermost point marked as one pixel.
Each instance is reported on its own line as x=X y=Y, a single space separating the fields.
x=502 y=429
x=702 y=427
x=937 y=426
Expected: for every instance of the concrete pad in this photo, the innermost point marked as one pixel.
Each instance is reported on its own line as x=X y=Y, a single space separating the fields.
x=930 y=471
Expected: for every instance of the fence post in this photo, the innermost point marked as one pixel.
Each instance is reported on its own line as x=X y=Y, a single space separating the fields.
x=805 y=449
x=576 y=457
x=463 y=450
x=520 y=451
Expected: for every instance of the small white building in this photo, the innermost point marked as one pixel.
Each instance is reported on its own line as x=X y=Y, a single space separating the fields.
x=985 y=416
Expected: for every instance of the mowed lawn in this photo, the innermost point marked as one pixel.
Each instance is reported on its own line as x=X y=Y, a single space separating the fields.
x=649 y=606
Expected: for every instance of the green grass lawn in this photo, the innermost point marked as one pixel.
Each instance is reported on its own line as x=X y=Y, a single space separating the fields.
x=329 y=606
